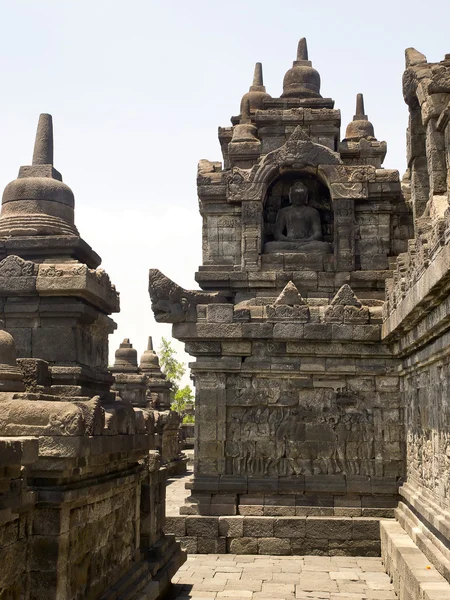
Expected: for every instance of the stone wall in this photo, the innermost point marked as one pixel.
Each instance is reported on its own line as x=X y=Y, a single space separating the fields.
x=417 y=315
x=318 y=420
x=17 y=504
x=81 y=516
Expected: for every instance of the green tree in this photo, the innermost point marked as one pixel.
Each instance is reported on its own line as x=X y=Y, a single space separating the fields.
x=174 y=370
x=182 y=397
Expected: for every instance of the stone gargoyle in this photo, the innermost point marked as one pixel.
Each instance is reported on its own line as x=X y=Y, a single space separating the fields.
x=173 y=304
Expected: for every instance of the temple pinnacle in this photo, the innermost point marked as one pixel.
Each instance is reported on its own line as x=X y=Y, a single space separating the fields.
x=256 y=93
x=245 y=112
x=43 y=146
x=258 y=76
x=150 y=343
x=360 y=127
x=360 y=107
x=302 y=50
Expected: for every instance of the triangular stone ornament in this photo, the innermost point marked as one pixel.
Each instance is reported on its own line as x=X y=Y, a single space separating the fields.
x=299 y=135
x=345 y=296
x=290 y=296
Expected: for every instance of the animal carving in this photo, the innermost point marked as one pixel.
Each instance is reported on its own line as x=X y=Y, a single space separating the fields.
x=173 y=304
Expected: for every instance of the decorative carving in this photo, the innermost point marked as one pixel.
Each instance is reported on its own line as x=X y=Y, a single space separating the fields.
x=14 y=266
x=62 y=270
x=173 y=304
x=289 y=306
x=431 y=236
x=346 y=308
x=280 y=440
x=235 y=181
x=290 y=296
x=298 y=152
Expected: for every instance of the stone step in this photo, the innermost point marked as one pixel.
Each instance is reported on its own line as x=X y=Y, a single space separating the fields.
x=412 y=574
x=331 y=536
x=434 y=550
x=131 y=583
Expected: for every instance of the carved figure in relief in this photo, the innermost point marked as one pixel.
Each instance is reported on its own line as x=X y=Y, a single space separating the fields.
x=298 y=227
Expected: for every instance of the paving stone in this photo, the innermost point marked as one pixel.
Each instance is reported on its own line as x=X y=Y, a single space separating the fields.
x=328 y=581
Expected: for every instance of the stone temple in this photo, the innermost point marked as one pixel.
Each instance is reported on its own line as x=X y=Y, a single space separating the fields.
x=320 y=336
x=82 y=494
x=321 y=344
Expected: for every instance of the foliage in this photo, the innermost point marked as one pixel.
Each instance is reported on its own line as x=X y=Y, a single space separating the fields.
x=182 y=398
x=174 y=370
x=188 y=419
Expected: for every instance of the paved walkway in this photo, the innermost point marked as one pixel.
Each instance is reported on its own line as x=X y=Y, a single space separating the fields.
x=215 y=576
x=176 y=493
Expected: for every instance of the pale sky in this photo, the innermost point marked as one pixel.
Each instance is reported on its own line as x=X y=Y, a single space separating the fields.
x=137 y=90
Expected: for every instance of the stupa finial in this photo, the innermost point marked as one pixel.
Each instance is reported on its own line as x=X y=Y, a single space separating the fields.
x=245 y=112
x=256 y=93
x=150 y=343
x=360 y=107
x=302 y=50
x=43 y=146
x=258 y=75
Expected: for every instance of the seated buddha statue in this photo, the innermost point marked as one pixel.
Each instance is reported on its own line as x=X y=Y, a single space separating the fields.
x=298 y=227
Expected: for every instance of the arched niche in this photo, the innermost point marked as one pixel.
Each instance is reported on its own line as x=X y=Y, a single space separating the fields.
x=277 y=198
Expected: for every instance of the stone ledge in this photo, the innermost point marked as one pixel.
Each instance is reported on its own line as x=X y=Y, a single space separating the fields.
x=435 y=516
x=413 y=576
x=420 y=297
x=330 y=536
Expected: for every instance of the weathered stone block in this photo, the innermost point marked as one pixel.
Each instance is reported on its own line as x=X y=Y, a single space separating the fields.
x=189 y=544
x=365 y=529
x=176 y=526
x=231 y=527
x=319 y=331
x=219 y=313
x=258 y=527
x=215 y=545
x=330 y=528
x=202 y=526
x=274 y=546
x=286 y=527
x=243 y=546
x=254 y=510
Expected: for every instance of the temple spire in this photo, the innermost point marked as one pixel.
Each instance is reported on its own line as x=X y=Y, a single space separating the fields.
x=359 y=114
x=43 y=146
x=302 y=50
x=254 y=98
x=150 y=343
x=245 y=112
x=258 y=75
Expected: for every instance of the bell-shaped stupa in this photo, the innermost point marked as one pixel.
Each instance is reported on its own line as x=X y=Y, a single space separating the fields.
x=256 y=95
x=38 y=203
x=302 y=80
x=125 y=358
x=38 y=210
x=360 y=127
x=11 y=377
